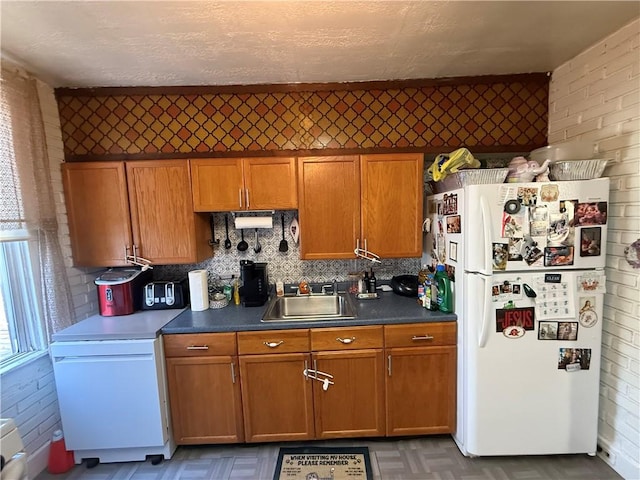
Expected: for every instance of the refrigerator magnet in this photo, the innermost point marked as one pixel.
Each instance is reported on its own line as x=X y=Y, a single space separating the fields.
x=515 y=249
x=450 y=204
x=588 y=316
x=592 y=282
x=453 y=251
x=590 y=242
x=500 y=256
x=574 y=359
x=515 y=317
x=549 y=193
x=513 y=332
x=512 y=226
x=558 y=256
x=568 y=331
x=528 y=196
x=547 y=330
x=558 y=231
x=512 y=207
x=453 y=224
x=591 y=214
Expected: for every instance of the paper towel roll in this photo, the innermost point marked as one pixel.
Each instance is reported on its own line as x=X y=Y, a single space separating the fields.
x=198 y=290
x=254 y=222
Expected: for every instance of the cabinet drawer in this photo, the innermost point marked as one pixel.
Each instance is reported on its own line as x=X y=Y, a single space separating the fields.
x=420 y=334
x=199 y=344
x=346 y=338
x=273 y=341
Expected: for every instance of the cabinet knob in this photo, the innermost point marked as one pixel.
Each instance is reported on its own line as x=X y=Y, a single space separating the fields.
x=198 y=347
x=273 y=344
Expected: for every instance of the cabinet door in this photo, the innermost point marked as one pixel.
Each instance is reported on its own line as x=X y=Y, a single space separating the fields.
x=270 y=183
x=354 y=405
x=98 y=211
x=328 y=206
x=204 y=394
x=276 y=397
x=217 y=184
x=165 y=229
x=421 y=390
x=392 y=191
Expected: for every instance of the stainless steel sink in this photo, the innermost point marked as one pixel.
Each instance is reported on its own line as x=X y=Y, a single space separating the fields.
x=309 y=308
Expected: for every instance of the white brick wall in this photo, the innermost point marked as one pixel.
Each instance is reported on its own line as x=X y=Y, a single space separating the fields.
x=595 y=98
x=28 y=392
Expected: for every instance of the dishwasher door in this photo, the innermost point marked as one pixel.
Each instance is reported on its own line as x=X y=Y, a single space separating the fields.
x=111 y=393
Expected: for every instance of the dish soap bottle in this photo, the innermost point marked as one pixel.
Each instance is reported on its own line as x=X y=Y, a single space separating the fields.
x=236 y=293
x=445 y=295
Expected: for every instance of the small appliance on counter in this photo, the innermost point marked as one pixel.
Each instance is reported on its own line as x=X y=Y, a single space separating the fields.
x=165 y=295
x=120 y=290
x=255 y=283
x=405 y=285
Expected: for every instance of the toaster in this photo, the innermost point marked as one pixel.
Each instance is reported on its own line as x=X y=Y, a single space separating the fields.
x=165 y=295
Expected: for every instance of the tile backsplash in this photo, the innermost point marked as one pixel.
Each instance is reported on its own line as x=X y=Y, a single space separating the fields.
x=285 y=266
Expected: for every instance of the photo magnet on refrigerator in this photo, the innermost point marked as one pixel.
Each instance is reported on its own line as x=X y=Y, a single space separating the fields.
x=590 y=242
x=591 y=214
x=574 y=359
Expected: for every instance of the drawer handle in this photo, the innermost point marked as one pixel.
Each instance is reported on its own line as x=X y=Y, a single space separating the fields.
x=346 y=341
x=273 y=344
x=198 y=347
x=415 y=338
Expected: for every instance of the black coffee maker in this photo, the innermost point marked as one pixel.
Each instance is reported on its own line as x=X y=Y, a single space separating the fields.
x=255 y=283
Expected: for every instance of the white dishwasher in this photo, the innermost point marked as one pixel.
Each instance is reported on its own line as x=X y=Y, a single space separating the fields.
x=112 y=394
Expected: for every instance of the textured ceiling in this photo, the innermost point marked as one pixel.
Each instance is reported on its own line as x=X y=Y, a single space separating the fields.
x=163 y=43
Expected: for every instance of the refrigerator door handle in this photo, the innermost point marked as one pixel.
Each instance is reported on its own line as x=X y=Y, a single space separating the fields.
x=486 y=305
x=486 y=234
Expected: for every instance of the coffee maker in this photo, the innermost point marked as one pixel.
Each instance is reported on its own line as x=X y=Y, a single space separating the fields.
x=255 y=283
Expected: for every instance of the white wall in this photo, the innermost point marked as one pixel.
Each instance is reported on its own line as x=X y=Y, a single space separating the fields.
x=28 y=392
x=595 y=98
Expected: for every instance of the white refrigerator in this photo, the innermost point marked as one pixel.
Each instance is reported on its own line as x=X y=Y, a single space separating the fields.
x=528 y=266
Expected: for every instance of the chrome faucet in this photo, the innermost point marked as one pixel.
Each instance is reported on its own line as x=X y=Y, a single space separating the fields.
x=335 y=286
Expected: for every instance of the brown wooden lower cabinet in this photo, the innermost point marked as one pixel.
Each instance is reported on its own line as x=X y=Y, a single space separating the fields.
x=420 y=384
x=392 y=380
x=354 y=405
x=204 y=388
x=277 y=399
x=205 y=400
x=420 y=391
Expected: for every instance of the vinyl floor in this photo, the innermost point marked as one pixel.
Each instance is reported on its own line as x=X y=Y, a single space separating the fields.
x=417 y=458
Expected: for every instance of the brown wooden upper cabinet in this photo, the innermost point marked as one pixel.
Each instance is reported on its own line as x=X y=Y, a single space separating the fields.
x=140 y=208
x=374 y=201
x=228 y=184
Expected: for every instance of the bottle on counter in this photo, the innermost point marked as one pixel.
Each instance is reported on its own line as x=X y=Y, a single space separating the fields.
x=421 y=294
x=365 y=282
x=279 y=288
x=372 y=284
x=433 y=304
x=236 y=292
x=445 y=294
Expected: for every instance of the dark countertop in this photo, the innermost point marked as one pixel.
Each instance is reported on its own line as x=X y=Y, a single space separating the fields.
x=388 y=309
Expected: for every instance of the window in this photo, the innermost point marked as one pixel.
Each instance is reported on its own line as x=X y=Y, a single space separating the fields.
x=22 y=330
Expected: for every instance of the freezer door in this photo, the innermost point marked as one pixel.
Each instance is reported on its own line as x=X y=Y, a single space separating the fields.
x=559 y=218
x=532 y=390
